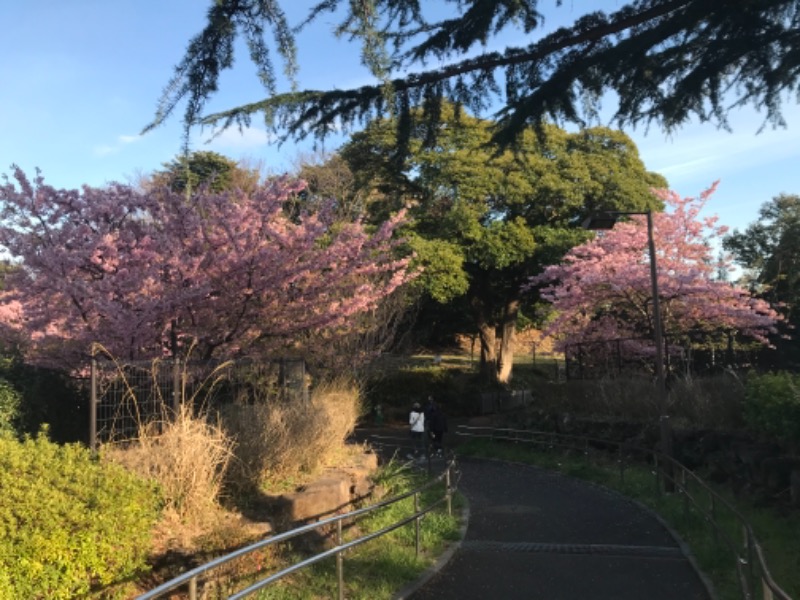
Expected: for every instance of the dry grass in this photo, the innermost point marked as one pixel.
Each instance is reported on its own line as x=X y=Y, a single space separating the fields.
x=187 y=456
x=714 y=401
x=281 y=442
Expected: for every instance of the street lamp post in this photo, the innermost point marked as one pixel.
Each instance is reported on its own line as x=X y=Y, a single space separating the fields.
x=607 y=221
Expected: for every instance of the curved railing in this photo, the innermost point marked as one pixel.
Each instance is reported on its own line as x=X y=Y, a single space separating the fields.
x=191 y=580
x=751 y=566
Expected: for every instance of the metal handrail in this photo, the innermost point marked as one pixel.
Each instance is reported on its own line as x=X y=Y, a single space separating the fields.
x=191 y=577
x=748 y=556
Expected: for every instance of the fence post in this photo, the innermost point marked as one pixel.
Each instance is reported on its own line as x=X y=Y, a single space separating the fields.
x=448 y=492
x=416 y=524
x=621 y=462
x=177 y=398
x=93 y=402
x=658 y=475
x=685 y=492
x=339 y=560
x=712 y=509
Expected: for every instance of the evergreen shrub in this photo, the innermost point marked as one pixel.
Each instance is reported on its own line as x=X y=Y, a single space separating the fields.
x=70 y=525
x=772 y=405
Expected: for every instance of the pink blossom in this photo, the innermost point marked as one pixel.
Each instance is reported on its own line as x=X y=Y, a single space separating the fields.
x=224 y=272
x=602 y=289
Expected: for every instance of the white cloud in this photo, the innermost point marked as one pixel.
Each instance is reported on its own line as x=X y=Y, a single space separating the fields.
x=121 y=141
x=233 y=138
x=702 y=149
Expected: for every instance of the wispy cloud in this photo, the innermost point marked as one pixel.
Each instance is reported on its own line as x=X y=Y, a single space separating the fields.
x=703 y=149
x=108 y=149
x=236 y=139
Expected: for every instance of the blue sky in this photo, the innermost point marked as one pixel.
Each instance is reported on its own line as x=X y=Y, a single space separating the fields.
x=80 y=79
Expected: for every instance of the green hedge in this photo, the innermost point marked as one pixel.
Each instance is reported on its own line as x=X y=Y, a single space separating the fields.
x=772 y=405
x=70 y=525
x=9 y=406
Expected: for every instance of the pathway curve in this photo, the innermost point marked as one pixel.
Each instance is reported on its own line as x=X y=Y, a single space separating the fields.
x=536 y=534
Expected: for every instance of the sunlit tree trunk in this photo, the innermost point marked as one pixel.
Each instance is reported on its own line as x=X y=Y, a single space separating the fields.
x=508 y=331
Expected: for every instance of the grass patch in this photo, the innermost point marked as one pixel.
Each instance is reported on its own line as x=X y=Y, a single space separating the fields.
x=378 y=568
x=776 y=532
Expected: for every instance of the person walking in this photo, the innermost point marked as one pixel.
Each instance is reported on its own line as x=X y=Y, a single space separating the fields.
x=437 y=425
x=416 y=421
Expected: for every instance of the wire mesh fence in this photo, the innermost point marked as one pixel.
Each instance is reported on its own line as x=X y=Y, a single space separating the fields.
x=696 y=352
x=126 y=397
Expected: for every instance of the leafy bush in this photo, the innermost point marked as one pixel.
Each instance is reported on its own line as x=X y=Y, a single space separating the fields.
x=772 y=405
x=69 y=523
x=46 y=397
x=457 y=390
x=9 y=406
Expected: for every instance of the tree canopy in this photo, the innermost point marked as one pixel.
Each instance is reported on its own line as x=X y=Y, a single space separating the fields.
x=188 y=172
x=482 y=219
x=602 y=290
x=665 y=60
x=147 y=273
x=769 y=252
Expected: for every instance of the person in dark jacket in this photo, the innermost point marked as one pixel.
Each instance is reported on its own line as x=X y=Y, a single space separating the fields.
x=436 y=422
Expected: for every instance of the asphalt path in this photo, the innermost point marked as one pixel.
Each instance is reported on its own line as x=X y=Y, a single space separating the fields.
x=536 y=534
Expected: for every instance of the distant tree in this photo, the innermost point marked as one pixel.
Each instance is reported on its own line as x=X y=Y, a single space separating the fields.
x=157 y=272
x=769 y=252
x=602 y=289
x=329 y=178
x=483 y=219
x=189 y=172
x=666 y=60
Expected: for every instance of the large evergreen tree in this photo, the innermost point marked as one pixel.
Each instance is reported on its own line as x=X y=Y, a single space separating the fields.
x=769 y=252
x=666 y=61
x=485 y=219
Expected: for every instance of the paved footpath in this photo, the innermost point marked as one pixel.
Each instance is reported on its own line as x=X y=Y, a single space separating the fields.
x=535 y=534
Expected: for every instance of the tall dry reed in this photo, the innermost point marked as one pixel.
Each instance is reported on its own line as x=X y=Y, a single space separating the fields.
x=187 y=455
x=285 y=441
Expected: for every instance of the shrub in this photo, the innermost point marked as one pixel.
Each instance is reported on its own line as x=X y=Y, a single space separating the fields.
x=282 y=440
x=714 y=401
x=69 y=523
x=9 y=406
x=457 y=390
x=46 y=397
x=772 y=405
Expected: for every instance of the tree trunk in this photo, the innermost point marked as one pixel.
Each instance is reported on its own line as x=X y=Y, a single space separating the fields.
x=487 y=334
x=488 y=337
x=506 y=358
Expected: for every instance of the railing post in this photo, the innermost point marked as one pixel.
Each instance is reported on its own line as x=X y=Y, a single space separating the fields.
x=93 y=403
x=712 y=509
x=685 y=492
x=766 y=591
x=658 y=474
x=193 y=588
x=339 y=560
x=448 y=492
x=416 y=524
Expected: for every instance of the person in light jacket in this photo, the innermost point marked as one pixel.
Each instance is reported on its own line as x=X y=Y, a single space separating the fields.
x=416 y=421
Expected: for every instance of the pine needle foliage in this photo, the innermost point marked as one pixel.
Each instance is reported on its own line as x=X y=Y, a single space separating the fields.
x=666 y=60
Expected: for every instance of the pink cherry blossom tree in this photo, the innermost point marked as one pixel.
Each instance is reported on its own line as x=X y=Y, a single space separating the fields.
x=156 y=272
x=602 y=289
